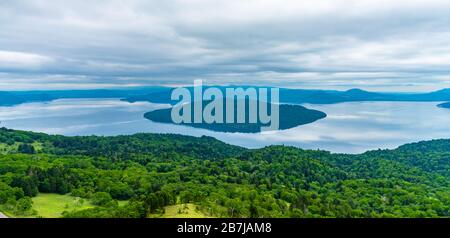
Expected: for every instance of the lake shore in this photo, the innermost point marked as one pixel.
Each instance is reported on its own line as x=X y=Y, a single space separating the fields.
x=385 y=125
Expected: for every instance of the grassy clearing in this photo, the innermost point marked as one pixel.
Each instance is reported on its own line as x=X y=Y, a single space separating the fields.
x=8 y=149
x=50 y=205
x=53 y=205
x=37 y=146
x=181 y=211
x=12 y=149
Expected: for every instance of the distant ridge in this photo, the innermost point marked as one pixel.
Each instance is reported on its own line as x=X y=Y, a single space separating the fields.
x=162 y=95
x=298 y=96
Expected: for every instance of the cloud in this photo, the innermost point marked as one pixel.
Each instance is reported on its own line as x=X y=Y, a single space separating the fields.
x=390 y=45
x=17 y=60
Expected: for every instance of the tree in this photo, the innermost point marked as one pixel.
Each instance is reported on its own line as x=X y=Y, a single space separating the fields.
x=28 y=185
x=101 y=198
x=26 y=149
x=23 y=205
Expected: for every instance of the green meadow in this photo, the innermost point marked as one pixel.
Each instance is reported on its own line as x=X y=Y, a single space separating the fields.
x=53 y=205
x=50 y=205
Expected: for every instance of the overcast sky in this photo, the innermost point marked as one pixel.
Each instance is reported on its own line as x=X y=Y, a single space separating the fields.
x=379 y=45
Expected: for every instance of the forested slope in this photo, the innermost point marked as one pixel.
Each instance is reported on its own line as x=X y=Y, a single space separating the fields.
x=152 y=171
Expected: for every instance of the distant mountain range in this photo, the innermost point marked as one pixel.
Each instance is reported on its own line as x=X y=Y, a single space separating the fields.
x=11 y=98
x=298 y=96
x=162 y=95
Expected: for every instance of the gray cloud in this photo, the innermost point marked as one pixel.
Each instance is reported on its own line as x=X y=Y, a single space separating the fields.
x=379 y=45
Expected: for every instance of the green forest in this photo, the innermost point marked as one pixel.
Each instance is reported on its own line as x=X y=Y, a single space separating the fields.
x=144 y=175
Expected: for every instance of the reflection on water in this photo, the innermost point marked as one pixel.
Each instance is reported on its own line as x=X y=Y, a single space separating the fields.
x=350 y=127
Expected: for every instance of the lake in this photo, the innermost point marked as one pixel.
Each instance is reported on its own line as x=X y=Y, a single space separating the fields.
x=350 y=127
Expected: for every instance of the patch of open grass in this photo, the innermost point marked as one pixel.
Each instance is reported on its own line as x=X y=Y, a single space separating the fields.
x=50 y=205
x=37 y=146
x=7 y=149
x=11 y=149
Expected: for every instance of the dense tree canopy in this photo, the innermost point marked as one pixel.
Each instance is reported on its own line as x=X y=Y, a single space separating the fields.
x=152 y=171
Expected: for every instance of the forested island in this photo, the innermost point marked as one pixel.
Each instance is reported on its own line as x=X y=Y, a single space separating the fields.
x=444 y=105
x=290 y=116
x=164 y=175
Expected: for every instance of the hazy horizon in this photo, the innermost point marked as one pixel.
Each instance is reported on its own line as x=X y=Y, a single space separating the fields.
x=169 y=86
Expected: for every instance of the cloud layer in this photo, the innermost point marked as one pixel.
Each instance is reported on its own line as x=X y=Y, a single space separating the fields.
x=378 y=45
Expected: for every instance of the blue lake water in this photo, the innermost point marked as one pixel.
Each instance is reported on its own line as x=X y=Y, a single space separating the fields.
x=350 y=127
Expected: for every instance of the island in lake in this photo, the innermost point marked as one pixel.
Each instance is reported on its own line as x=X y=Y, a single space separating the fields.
x=290 y=116
x=444 y=105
